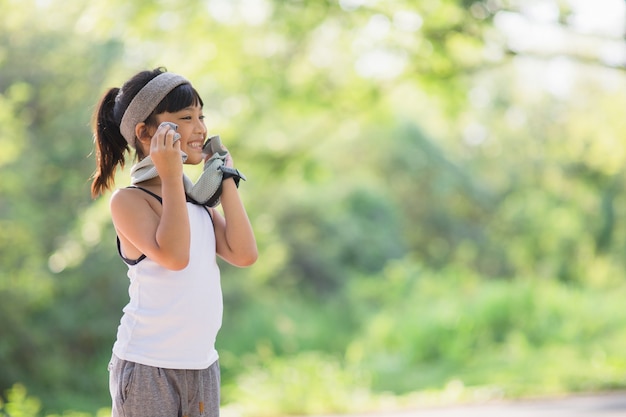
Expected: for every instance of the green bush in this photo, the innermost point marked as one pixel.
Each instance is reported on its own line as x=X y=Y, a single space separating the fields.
x=20 y=404
x=305 y=383
x=531 y=337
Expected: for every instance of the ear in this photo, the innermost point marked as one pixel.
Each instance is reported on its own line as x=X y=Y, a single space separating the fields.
x=141 y=131
x=143 y=138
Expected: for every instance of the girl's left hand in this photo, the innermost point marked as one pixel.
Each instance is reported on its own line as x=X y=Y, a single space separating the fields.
x=228 y=161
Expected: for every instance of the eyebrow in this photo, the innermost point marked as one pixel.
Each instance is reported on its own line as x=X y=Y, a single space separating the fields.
x=190 y=108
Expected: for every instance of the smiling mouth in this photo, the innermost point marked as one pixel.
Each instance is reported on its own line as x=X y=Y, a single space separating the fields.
x=195 y=145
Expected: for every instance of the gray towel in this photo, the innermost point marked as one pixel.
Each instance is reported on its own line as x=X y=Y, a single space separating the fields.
x=207 y=188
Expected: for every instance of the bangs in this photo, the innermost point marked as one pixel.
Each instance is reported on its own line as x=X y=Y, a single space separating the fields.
x=179 y=98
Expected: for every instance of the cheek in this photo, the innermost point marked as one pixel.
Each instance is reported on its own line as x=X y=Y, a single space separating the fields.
x=185 y=131
x=194 y=159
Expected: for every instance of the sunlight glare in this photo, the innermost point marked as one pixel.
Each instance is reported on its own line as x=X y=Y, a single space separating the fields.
x=601 y=17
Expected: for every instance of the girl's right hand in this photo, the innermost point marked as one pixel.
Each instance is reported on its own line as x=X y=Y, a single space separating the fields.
x=166 y=153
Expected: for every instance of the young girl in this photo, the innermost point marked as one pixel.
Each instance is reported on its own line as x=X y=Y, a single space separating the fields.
x=164 y=360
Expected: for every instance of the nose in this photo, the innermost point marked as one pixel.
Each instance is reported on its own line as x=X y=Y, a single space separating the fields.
x=200 y=127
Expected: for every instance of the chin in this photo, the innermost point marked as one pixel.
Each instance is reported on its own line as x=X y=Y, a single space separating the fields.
x=194 y=159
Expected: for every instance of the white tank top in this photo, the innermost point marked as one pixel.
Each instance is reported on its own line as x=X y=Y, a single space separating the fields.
x=173 y=317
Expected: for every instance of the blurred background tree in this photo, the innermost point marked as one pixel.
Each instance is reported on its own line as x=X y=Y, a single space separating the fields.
x=435 y=188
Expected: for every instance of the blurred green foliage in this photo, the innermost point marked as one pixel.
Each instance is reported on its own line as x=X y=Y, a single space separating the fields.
x=437 y=205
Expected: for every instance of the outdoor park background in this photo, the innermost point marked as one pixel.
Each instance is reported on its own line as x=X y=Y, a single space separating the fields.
x=437 y=189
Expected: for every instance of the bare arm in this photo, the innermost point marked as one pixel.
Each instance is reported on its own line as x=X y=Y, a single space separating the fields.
x=234 y=235
x=162 y=236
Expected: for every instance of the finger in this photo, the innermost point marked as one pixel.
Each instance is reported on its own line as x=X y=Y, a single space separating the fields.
x=170 y=138
x=154 y=143
x=177 y=143
x=170 y=127
x=159 y=136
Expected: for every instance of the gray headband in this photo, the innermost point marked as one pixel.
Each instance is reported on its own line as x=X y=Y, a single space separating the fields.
x=146 y=100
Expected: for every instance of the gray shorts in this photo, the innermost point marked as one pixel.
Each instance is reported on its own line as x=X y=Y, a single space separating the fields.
x=145 y=391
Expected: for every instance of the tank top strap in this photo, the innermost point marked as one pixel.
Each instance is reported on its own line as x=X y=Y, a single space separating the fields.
x=160 y=200
x=119 y=244
x=158 y=197
x=125 y=259
x=187 y=197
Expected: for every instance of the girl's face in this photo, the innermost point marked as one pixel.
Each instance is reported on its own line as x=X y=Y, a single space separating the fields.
x=192 y=129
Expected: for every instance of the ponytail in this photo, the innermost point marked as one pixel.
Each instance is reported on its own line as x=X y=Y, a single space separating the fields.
x=109 y=144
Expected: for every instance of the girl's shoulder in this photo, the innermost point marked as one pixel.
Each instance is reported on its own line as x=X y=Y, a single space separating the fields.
x=134 y=198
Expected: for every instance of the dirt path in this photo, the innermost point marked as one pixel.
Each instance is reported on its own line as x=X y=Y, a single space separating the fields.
x=603 y=405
